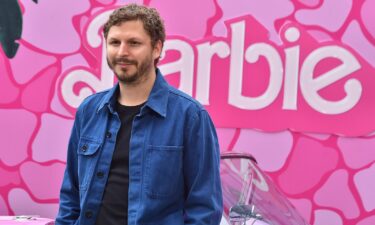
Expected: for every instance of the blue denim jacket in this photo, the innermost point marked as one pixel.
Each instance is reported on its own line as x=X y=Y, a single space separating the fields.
x=173 y=161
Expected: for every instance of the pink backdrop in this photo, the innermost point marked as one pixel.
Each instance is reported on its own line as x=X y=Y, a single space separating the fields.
x=313 y=136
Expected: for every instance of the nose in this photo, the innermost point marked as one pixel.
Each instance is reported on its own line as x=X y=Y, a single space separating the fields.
x=123 y=50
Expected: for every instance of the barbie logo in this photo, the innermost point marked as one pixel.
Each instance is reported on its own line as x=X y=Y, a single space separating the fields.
x=247 y=81
x=285 y=67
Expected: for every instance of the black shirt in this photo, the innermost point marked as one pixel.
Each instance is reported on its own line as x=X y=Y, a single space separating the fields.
x=114 y=207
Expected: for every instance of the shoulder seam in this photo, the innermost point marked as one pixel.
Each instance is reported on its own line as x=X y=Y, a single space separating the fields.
x=190 y=99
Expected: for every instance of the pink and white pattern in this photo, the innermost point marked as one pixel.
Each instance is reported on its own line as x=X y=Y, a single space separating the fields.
x=329 y=178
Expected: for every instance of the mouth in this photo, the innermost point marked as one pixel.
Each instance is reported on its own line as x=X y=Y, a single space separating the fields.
x=124 y=63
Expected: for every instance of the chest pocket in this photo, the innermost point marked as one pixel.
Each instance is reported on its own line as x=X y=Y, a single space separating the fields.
x=87 y=157
x=163 y=171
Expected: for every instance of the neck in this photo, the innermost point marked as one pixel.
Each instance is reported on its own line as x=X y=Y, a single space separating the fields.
x=136 y=93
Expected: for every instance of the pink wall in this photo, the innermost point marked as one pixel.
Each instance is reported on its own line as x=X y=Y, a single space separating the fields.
x=318 y=146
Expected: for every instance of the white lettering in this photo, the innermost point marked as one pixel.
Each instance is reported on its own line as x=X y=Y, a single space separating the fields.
x=252 y=55
x=184 y=65
x=82 y=75
x=310 y=86
x=291 y=70
x=205 y=53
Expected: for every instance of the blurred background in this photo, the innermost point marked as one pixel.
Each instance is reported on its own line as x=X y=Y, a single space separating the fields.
x=290 y=82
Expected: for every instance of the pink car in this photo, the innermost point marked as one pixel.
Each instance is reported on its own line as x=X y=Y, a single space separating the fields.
x=25 y=220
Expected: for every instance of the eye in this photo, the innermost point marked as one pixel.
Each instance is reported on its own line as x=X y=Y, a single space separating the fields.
x=134 y=43
x=114 y=42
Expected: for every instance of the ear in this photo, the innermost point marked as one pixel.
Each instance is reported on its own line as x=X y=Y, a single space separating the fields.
x=157 y=49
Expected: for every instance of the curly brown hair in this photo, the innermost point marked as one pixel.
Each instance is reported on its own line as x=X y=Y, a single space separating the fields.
x=152 y=22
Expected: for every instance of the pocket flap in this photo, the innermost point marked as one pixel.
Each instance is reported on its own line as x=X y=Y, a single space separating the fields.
x=87 y=147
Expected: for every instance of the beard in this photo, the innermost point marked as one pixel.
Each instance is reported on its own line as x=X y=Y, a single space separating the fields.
x=125 y=75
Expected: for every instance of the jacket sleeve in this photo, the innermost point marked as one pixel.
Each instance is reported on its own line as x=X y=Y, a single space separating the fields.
x=203 y=195
x=69 y=205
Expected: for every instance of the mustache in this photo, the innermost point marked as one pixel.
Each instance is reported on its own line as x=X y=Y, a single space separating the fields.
x=125 y=60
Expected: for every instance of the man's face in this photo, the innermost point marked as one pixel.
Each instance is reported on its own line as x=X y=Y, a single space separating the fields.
x=129 y=52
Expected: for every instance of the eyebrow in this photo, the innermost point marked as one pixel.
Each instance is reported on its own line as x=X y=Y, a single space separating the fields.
x=130 y=39
x=112 y=39
x=135 y=39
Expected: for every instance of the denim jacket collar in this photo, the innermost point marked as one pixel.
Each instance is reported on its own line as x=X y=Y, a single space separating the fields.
x=157 y=101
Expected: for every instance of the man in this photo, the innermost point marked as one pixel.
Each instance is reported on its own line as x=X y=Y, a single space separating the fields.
x=141 y=152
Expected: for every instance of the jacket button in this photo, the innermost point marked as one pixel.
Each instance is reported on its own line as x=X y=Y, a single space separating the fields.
x=108 y=135
x=88 y=214
x=100 y=174
x=84 y=148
